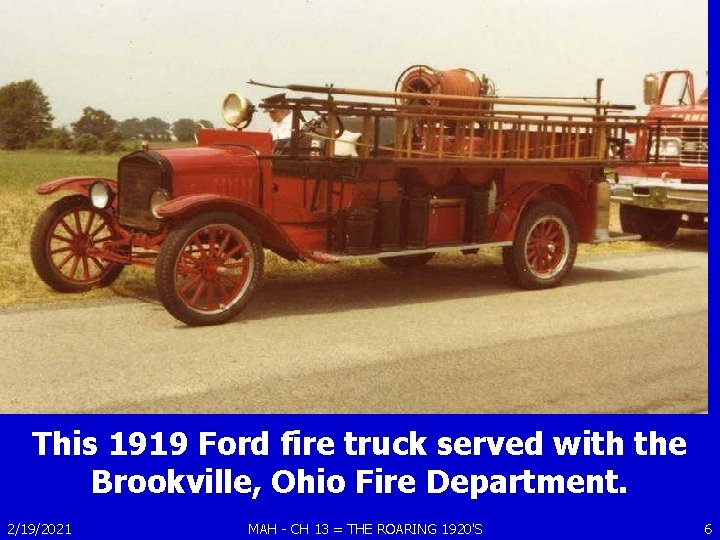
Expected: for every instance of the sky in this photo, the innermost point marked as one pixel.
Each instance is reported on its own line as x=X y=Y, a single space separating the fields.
x=176 y=59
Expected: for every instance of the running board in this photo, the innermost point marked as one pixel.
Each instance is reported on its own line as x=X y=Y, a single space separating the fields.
x=616 y=237
x=337 y=257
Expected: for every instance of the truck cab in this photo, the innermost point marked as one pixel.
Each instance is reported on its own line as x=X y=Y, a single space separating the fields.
x=669 y=189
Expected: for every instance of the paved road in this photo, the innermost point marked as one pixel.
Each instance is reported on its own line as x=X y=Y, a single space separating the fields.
x=626 y=333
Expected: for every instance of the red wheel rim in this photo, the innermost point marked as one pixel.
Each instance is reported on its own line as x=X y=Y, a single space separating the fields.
x=546 y=247
x=71 y=236
x=213 y=269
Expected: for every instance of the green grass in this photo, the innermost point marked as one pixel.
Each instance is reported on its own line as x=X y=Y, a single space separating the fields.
x=22 y=171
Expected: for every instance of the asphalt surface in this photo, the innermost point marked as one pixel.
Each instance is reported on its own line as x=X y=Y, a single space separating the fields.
x=625 y=333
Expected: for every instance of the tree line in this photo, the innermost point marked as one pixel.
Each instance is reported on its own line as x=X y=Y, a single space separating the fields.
x=26 y=120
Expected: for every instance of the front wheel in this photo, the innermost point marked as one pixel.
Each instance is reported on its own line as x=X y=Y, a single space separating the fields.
x=61 y=243
x=545 y=246
x=209 y=268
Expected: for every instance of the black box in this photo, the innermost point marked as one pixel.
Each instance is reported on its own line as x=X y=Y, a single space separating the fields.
x=355 y=230
x=476 y=216
x=392 y=213
x=417 y=222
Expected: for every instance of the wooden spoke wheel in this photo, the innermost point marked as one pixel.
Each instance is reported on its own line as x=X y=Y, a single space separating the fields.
x=545 y=246
x=60 y=242
x=208 y=268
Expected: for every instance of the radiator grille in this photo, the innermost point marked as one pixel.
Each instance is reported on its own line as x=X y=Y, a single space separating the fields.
x=694 y=146
x=138 y=178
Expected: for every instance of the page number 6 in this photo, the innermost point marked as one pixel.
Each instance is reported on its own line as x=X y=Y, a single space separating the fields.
x=708 y=528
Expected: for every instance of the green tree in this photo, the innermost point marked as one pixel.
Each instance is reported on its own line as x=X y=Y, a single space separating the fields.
x=24 y=114
x=87 y=142
x=112 y=142
x=95 y=122
x=184 y=129
x=156 y=129
x=57 y=139
x=207 y=124
x=62 y=139
x=132 y=128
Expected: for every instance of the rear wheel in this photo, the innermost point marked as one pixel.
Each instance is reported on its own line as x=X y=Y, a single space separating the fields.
x=60 y=242
x=545 y=246
x=649 y=223
x=209 y=268
x=407 y=261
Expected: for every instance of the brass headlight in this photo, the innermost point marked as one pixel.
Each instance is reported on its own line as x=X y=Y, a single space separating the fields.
x=237 y=110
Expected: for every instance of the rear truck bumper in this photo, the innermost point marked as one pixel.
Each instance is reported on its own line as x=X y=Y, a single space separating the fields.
x=661 y=194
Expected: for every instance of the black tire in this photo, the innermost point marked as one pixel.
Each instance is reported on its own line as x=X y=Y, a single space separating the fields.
x=50 y=269
x=649 y=223
x=193 y=248
x=407 y=261
x=533 y=261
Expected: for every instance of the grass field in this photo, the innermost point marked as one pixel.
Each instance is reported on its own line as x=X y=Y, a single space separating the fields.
x=22 y=171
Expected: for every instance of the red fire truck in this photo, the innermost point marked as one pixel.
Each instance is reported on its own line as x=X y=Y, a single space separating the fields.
x=438 y=164
x=669 y=189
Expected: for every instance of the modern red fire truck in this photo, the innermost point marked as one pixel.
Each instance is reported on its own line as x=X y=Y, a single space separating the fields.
x=670 y=188
x=439 y=164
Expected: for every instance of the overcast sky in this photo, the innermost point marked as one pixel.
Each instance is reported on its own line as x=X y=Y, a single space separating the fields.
x=179 y=58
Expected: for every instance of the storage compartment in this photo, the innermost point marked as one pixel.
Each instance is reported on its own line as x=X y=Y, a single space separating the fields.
x=417 y=222
x=355 y=230
x=391 y=220
x=476 y=215
x=435 y=222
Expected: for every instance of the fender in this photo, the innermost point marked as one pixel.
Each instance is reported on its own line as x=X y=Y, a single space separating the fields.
x=77 y=184
x=512 y=209
x=272 y=234
x=508 y=215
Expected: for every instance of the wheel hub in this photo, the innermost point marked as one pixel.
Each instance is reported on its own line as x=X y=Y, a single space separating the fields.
x=210 y=269
x=80 y=244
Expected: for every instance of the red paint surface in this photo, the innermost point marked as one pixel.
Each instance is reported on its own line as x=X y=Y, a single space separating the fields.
x=78 y=184
x=222 y=170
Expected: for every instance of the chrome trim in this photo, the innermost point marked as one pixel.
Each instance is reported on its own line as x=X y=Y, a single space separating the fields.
x=663 y=195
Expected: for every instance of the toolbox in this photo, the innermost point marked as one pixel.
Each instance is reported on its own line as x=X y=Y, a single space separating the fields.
x=435 y=222
x=391 y=220
x=477 y=215
x=354 y=230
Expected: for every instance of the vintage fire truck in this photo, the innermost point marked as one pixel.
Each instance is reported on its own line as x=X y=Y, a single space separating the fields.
x=440 y=163
x=669 y=189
